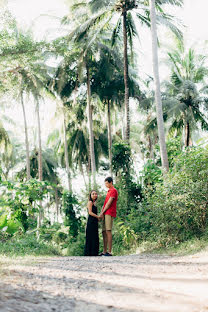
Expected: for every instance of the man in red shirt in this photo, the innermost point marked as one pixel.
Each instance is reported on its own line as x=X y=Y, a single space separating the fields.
x=108 y=213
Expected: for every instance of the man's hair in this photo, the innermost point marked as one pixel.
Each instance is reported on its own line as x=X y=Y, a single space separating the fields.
x=109 y=180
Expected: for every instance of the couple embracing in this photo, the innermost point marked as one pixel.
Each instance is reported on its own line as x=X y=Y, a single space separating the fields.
x=107 y=214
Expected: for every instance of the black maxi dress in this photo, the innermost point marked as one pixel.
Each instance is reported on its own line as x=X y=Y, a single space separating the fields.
x=92 y=238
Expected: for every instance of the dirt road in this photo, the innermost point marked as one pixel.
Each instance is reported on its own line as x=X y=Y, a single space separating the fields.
x=148 y=283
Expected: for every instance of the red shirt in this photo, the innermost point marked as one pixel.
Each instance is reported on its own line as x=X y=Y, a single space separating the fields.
x=112 y=192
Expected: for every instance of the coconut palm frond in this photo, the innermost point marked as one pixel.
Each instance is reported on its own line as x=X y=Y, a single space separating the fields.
x=171 y=2
x=169 y=22
x=131 y=31
x=116 y=32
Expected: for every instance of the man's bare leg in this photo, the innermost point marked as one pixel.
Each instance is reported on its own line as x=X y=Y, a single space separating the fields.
x=105 y=241
x=109 y=240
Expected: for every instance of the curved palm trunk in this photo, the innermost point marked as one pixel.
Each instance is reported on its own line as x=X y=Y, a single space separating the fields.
x=26 y=139
x=91 y=135
x=109 y=137
x=160 y=121
x=126 y=80
x=66 y=155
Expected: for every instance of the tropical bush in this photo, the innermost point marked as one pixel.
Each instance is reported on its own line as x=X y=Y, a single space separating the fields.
x=25 y=244
x=18 y=200
x=177 y=208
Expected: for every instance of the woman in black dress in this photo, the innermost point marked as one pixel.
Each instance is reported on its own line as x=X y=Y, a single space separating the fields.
x=92 y=238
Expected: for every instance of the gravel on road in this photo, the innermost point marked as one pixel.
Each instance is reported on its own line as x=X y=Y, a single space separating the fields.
x=134 y=283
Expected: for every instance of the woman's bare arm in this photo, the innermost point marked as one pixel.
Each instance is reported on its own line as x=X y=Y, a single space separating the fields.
x=89 y=206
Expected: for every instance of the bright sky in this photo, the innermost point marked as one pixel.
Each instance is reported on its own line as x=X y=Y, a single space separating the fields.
x=193 y=15
x=42 y=16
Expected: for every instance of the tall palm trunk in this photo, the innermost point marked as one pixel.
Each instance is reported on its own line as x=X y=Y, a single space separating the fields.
x=26 y=139
x=151 y=151
x=66 y=155
x=88 y=169
x=126 y=79
x=123 y=125
x=114 y=121
x=160 y=121
x=40 y=160
x=109 y=136
x=40 y=169
x=187 y=135
x=83 y=175
x=91 y=134
x=57 y=204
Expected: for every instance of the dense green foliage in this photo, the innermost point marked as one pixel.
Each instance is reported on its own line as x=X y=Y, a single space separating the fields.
x=174 y=208
x=178 y=206
x=171 y=210
x=23 y=245
x=91 y=134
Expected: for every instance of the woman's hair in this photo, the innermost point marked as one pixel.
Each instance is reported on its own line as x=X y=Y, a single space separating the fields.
x=90 y=197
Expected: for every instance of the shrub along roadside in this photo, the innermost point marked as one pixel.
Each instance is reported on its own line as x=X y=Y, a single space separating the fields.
x=25 y=245
x=178 y=206
x=174 y=210
x=191 y=246
x=171 y=215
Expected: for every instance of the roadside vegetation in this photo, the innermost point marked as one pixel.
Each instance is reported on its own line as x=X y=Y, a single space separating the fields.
x=163 y=202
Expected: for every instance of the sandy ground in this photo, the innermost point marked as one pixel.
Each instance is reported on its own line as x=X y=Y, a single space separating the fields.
x=129 y=283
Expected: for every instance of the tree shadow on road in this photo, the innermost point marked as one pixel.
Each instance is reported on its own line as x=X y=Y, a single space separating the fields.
x=22 y=299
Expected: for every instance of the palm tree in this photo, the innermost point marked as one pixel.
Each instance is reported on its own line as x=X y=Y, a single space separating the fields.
x=24 y=73
x=26 y=136
x=90 y=126
x=66 y=153
x=107 y=81
x=49 y=173
x=160 y=121
x=5 y=149
x=89 y=27
x=62 y=85
x=85 y=65
x=109 y=86
x=128 y=26
x=34 y=78
x=108 y=14
x=185 y=101
x=147 y=129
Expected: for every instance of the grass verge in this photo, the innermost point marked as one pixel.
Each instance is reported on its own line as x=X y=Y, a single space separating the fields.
x=192 y=246
x=27 y=245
